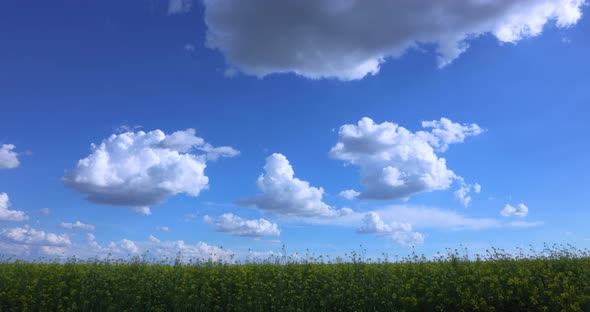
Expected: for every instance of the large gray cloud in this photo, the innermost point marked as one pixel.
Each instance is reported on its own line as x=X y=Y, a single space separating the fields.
x=395 y=162
x=139 y=169
x=348 y=39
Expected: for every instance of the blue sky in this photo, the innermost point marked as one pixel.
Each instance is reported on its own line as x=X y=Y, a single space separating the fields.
x=287 y=88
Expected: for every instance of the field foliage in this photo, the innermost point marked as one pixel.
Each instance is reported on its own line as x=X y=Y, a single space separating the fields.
x=555 y=279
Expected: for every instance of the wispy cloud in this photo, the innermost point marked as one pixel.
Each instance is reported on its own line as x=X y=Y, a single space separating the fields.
x=463 y=193
x=44 y=211
x=77 y=226
x=423 y=218
x=179 y=6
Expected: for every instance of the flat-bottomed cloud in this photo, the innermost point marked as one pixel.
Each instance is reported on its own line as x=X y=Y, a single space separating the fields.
x=139 y=169
x=395 y=162
x=283 y=194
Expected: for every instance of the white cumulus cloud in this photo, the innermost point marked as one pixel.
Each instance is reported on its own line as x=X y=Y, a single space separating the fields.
x=29 y=236
x=161 y=249
x=53 y=250
x=519 y=211
x=29 y=241
x=349 y=39
x=77 y=226
x=235 y=225
x=395 y=162
x=199 y=250
x=162 y=228
x=7 y=214
x=129 y=246
x=8 y=157
x=119 y=249
x=139 y=169
x=153 y=247
x=401 y=232
x=280 y=193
